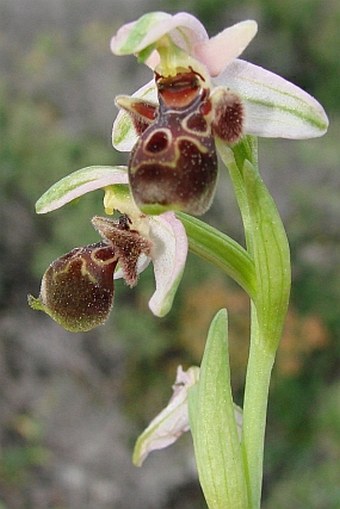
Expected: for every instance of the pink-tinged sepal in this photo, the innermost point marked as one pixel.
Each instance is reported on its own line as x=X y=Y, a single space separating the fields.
x=171 y=422
x=219 y=51
x=185 y=30
x=169 y=253
x=273 y=107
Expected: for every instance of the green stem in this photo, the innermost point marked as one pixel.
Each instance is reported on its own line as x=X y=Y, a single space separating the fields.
x=260 y=363
x=234 y=165
x=268 y=247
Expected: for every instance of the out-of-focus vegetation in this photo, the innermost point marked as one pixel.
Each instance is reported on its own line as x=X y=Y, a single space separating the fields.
x=71 y=405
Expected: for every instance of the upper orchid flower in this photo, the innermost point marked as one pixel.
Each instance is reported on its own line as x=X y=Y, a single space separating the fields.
x=77 y=289
x=201 y=91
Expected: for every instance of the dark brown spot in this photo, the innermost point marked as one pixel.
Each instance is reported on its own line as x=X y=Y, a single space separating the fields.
x=196 y=122
x=158 y=142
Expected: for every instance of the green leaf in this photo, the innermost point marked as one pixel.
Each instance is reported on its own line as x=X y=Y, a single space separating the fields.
x=271 y=255
x=78 y=183
x=213 y=425
x=267 y=242
x=221 y=250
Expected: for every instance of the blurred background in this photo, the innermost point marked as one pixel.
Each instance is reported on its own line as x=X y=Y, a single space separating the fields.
x=72 y=405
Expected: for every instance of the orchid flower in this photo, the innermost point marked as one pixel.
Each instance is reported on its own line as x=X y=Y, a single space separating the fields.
x=170 y=424
x=172 y=421
x=201 y=92
x=77 y=289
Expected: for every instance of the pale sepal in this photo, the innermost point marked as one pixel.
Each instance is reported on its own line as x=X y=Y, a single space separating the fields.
x=79 y=183
x=169 y=253
x=274 y=107
x=171 y=422
x=184 y=29
x=169 y=246
x=217 y=52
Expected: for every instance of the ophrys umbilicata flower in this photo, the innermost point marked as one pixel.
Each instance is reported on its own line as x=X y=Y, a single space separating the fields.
x=77 y=289
x=200 y=91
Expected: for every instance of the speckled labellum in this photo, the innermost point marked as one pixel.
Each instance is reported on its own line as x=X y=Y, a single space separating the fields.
x=173 y=165
x=77 y=289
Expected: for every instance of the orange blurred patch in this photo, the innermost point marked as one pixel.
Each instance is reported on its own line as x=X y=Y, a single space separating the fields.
x=302 y=334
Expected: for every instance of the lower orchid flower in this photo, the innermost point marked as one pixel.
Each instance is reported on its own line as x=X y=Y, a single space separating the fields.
x=170 y=424
x=77 y=289
x=172 y=421
x=201 y=92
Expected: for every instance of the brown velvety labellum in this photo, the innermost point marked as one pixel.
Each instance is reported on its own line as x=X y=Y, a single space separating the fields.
x=173 y=164
x=77 y=288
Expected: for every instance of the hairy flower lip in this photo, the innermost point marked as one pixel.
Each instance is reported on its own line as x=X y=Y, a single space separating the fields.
x=77 y=289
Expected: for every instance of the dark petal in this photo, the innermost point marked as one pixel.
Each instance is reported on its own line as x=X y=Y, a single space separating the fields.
x=197 y=123
x=77 y=289
x=142 y=113
x=228 y=116
x=127 y=244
